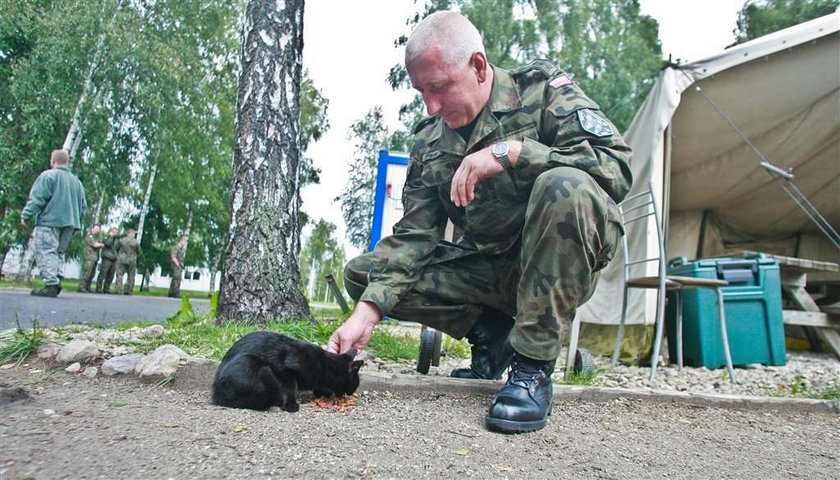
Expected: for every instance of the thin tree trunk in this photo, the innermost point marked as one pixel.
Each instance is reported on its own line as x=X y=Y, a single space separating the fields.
x=74 y=133
x=144 y=209
x=217 y=259
x=97 y=215
x=261 y=277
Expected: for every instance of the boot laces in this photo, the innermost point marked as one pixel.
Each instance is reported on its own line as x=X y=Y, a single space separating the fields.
x=524 y=373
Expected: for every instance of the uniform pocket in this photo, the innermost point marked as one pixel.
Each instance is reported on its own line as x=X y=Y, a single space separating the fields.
x=438 y=172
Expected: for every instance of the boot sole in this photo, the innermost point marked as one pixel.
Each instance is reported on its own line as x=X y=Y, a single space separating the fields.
x=513 y=426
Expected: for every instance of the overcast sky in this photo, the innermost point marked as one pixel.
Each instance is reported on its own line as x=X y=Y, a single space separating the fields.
x=349 y=49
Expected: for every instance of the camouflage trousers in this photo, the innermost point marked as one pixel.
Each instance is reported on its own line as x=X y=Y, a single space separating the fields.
x=572 y=230
x=175 y=284
x=130 y=270
x=50 y=245
x=88 y=272
x=107 y=269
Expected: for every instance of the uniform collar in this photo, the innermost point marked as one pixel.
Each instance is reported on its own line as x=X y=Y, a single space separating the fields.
x=63 y=167
x=505 y=96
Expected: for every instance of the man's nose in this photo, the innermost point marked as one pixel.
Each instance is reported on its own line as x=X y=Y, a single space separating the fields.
x=432 y=104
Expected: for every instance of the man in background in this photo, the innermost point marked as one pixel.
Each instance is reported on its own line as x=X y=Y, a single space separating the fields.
x=176 y=256
x=92 y=247
x=57 y=198
x=127 y=250
x=109 y=262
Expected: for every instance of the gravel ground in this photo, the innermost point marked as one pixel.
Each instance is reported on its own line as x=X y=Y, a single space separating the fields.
x=116 y=427
x=804 y=373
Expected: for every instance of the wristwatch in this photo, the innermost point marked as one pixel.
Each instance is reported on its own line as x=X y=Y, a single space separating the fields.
x=500 y=152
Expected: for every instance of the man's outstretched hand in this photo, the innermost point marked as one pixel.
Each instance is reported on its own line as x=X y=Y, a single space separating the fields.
x=356 y=331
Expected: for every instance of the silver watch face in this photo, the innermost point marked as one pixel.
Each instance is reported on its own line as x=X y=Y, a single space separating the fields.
x=501 y=149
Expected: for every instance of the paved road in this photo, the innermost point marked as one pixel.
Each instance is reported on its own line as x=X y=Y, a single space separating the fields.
x=90 y=308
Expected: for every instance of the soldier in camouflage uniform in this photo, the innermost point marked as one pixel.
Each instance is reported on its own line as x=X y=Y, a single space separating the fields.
x=128 y=248
x=530 y=169
x=176 y=257
x=57 y=198
x=92 y=247
x=108 y=266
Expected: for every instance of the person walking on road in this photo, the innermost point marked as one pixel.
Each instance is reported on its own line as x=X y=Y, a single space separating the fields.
x=92 y=247
x=176 y=256
x=57 y=198
x=107 y=267
x=128 y=248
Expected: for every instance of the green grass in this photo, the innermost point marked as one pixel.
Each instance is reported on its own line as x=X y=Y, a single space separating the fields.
x=21 y=344
x=583 y=378
x=72 y=285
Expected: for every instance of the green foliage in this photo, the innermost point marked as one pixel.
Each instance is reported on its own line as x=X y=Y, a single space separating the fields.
x=321 y=255
x=760 y=17
x=21 y=344
x=455 y=348
x=184 y=316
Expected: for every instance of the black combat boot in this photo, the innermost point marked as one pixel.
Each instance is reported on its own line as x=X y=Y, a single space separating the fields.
x=47 y=291
x=491 y=349
x=524 y=403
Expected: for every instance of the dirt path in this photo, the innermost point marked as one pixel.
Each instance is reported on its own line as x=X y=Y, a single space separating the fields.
x=120 y=428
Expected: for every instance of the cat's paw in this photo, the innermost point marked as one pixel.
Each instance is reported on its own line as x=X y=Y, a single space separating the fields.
x=322 y=393
x=290 y=407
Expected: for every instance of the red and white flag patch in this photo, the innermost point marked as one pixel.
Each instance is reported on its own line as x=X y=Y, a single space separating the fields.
x=561 y=81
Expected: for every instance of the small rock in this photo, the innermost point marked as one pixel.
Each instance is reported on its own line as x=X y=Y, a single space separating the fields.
x=49 y=411
x=78 y=351
x=154 y=331
x=90 y=372
x=73 y=368
x=48 y=351
x=163 y=361
x=121 y=364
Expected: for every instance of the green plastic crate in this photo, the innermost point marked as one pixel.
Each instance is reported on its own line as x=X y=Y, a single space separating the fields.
x=753 y=306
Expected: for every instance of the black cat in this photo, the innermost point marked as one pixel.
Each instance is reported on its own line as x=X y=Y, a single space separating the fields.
x=263 y=369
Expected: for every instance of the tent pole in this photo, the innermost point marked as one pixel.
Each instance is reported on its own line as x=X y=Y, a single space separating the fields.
x=666 y=184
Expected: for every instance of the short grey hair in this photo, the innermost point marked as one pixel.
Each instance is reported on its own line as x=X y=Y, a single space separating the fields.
x=455 y=36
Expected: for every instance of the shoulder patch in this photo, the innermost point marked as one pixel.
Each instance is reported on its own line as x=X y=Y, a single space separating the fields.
x=592 y=122
x=561 y=81
x=542 y=68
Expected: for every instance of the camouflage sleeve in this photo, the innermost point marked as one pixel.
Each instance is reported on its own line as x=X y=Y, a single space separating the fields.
x=399 y=259
x=90 y=240
x=574 y=132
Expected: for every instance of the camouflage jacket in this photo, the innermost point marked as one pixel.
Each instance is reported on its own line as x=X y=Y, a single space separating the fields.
x=178 y=253
x=127 y=250
x=109 y=250
x=91 y=252
x=558 y=125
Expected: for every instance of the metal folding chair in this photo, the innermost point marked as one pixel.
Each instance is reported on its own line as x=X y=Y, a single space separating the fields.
x=643 y=207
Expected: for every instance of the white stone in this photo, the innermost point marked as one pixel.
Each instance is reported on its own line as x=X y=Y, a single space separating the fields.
x=78 y=351
x=163 y=361
x=154 y=331
x=73 y=368
x=90 y=372
x=121 y=364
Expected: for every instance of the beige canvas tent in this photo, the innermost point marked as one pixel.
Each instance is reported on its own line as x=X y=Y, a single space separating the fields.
x=783 y=92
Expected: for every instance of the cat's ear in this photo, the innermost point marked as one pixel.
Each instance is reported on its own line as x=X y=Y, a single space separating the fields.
x=355 y=366
x=351 y=353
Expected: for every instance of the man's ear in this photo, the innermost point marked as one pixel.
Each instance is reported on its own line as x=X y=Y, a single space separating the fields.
x=479 y=64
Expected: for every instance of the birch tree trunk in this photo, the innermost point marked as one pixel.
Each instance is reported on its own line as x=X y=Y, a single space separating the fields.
x=144 y=209
x=217 y=259
x=261 y=277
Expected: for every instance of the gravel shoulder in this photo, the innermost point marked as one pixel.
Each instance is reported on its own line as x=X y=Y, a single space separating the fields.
x=117 y=427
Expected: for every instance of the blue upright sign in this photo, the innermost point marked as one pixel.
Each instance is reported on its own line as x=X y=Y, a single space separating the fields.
x=387 y=204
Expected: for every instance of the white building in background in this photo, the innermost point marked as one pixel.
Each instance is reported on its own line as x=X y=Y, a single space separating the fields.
x=195 y=278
